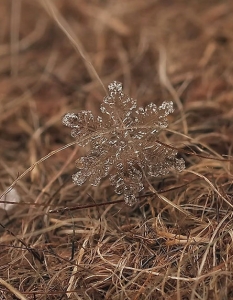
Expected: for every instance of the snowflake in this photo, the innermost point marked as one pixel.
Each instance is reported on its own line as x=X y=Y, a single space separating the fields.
x=124 y=143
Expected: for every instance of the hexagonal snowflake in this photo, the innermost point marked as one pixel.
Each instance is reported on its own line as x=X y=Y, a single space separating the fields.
x=124 y=144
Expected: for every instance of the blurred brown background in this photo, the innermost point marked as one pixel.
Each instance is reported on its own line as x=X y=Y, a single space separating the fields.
x=43 y=75
x=160 y=50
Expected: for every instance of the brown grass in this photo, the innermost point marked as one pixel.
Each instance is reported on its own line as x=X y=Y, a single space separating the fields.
x=67 y=242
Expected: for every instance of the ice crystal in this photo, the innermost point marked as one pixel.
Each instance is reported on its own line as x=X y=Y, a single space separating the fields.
x=124 y=143
x=10 y=200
